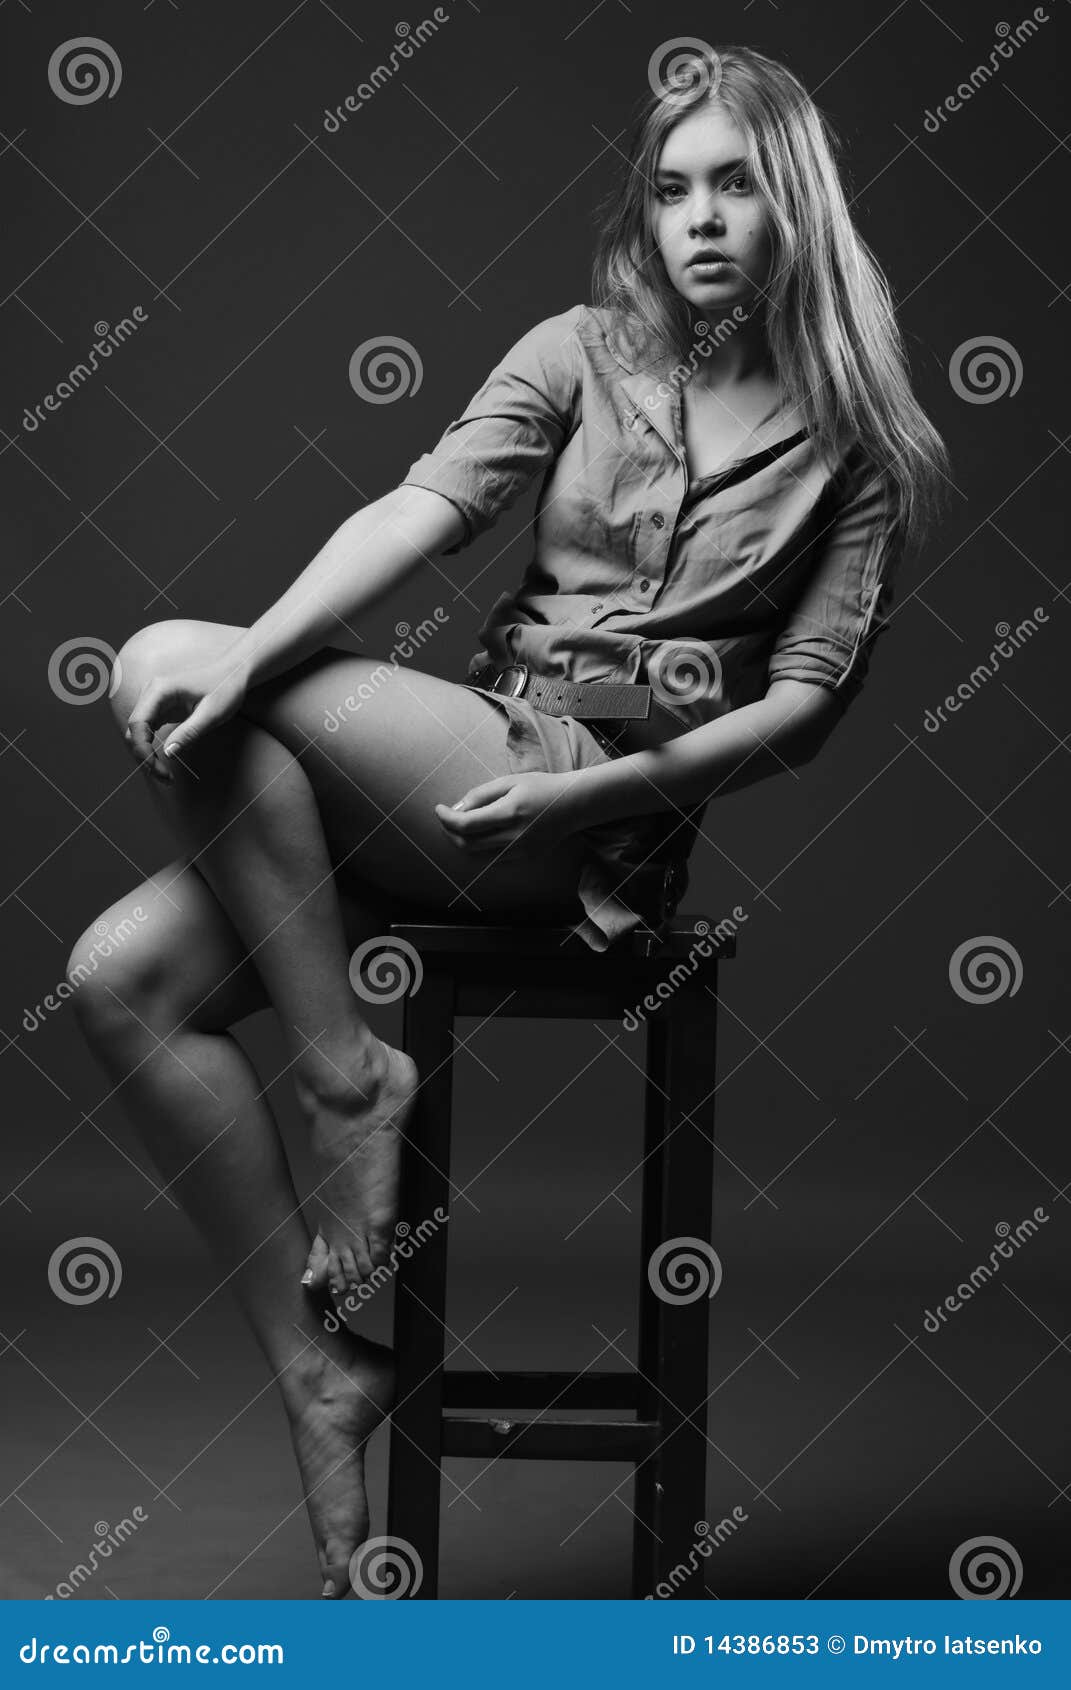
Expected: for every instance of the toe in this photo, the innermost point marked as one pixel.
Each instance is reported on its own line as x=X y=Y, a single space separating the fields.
x=379 y=1248
x=349 y=1267
x=315 y=1275
x=336 y=1279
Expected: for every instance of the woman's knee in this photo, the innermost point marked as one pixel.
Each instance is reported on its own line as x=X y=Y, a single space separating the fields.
x=117 y=969
x=162 y=646
x=164 y=956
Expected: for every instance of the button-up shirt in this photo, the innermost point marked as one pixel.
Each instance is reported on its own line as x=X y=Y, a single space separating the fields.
x=778 y=566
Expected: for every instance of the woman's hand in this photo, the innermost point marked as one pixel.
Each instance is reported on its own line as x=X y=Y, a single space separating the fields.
x=197 y=698
x=522 y=813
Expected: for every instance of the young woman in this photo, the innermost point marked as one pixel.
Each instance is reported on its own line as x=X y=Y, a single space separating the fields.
x=734 y=464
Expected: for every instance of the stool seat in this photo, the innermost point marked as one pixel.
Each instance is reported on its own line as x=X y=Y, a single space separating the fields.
x=489 y=970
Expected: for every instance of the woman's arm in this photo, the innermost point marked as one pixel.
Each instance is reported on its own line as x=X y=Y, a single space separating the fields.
x=372 y=552
x=778 y=732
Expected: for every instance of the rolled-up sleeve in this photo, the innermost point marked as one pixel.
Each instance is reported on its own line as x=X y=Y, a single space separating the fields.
x=512 y=428
x=831 y=630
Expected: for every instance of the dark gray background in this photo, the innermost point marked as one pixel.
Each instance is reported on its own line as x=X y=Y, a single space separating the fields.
x=890 y=1124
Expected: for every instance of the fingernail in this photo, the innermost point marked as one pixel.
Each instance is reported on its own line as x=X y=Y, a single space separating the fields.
x=306 y=1278
x=328 y=1589
x=169 y=750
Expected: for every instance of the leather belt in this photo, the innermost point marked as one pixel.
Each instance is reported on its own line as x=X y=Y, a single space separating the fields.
x=620 y=714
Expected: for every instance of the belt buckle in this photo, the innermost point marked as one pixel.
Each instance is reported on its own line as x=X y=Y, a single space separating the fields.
x=521 y=670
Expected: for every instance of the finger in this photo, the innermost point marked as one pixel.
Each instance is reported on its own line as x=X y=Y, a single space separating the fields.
x=140 y=727
x=486 y=792
x=196 y=723
x=472 y=823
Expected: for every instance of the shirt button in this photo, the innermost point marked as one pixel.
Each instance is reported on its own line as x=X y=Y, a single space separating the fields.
x=658 y=520
x=644 y=586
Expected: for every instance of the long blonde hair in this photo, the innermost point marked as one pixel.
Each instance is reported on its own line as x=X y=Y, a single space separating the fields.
x=836 y=347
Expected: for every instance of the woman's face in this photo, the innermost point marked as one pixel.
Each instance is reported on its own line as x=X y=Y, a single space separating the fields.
x=704 y=198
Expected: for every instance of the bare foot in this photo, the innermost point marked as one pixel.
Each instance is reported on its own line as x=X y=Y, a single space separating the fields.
x=333 y=1411
x=356 y=1139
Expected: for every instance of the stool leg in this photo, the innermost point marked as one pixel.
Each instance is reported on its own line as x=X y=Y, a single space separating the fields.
x=670 y=1498
x=414 y=1475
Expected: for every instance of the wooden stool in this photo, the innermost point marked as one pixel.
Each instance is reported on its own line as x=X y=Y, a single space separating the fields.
x=470 y=970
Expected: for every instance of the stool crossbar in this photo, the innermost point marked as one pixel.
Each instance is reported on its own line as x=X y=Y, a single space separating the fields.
x=442 y=1412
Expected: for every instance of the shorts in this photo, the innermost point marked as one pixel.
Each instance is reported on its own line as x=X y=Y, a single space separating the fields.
x=634 y=871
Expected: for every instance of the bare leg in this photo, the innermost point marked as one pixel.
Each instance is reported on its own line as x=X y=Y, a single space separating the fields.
x=273 y=808
x=155 y=1014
